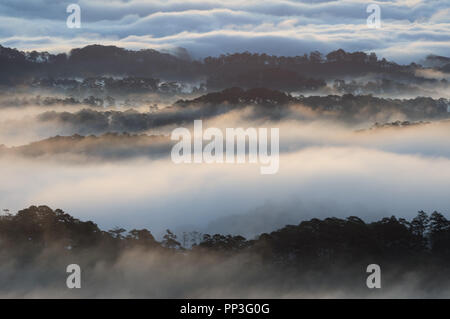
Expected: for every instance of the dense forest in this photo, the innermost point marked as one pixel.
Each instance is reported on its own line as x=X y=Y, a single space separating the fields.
x=247 y=70
x=317 y=257
x=425 y=237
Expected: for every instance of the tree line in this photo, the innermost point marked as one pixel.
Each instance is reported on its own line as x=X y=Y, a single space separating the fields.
x=244 y=69
x=425 y=237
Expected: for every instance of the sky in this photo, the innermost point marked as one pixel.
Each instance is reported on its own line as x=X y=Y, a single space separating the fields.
x=410 y=29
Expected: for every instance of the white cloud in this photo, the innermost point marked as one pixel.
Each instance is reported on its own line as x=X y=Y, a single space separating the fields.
x=215 y=27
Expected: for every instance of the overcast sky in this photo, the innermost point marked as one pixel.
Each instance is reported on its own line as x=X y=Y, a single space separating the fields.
x=409 y=29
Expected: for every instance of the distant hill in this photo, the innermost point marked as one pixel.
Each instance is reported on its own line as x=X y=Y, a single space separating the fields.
x=107 y=147
x=245 y=69
x=239 y=96
x=92 y=60
x=347 y=107
x=436 y=61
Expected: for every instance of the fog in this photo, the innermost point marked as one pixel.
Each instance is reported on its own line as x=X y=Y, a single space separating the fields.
x=87 y=159
x=31 y=123
x=325 y=170
x=330 y=166
x=146 y=274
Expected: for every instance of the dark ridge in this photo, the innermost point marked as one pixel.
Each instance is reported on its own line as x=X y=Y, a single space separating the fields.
x=238 y=69
x=106 y=147
x=238 y=96
x=316 y=241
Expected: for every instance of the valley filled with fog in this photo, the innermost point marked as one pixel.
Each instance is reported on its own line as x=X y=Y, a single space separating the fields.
x=86 y=144
x=113 y=165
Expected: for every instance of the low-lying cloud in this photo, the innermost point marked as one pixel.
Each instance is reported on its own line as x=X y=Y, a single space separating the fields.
x=324 y=171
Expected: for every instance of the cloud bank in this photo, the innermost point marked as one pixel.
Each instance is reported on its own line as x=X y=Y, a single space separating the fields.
x=325 y=170
x=410 y=29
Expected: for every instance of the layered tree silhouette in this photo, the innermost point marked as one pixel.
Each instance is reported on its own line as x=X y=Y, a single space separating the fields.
x=318 y=243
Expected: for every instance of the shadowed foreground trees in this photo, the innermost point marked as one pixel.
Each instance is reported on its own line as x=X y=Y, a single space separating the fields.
x=35 y=229
x=315 y=258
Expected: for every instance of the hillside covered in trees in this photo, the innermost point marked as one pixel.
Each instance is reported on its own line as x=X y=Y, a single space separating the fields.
x=338 y=249
x=246 y=70
x=39 y=227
